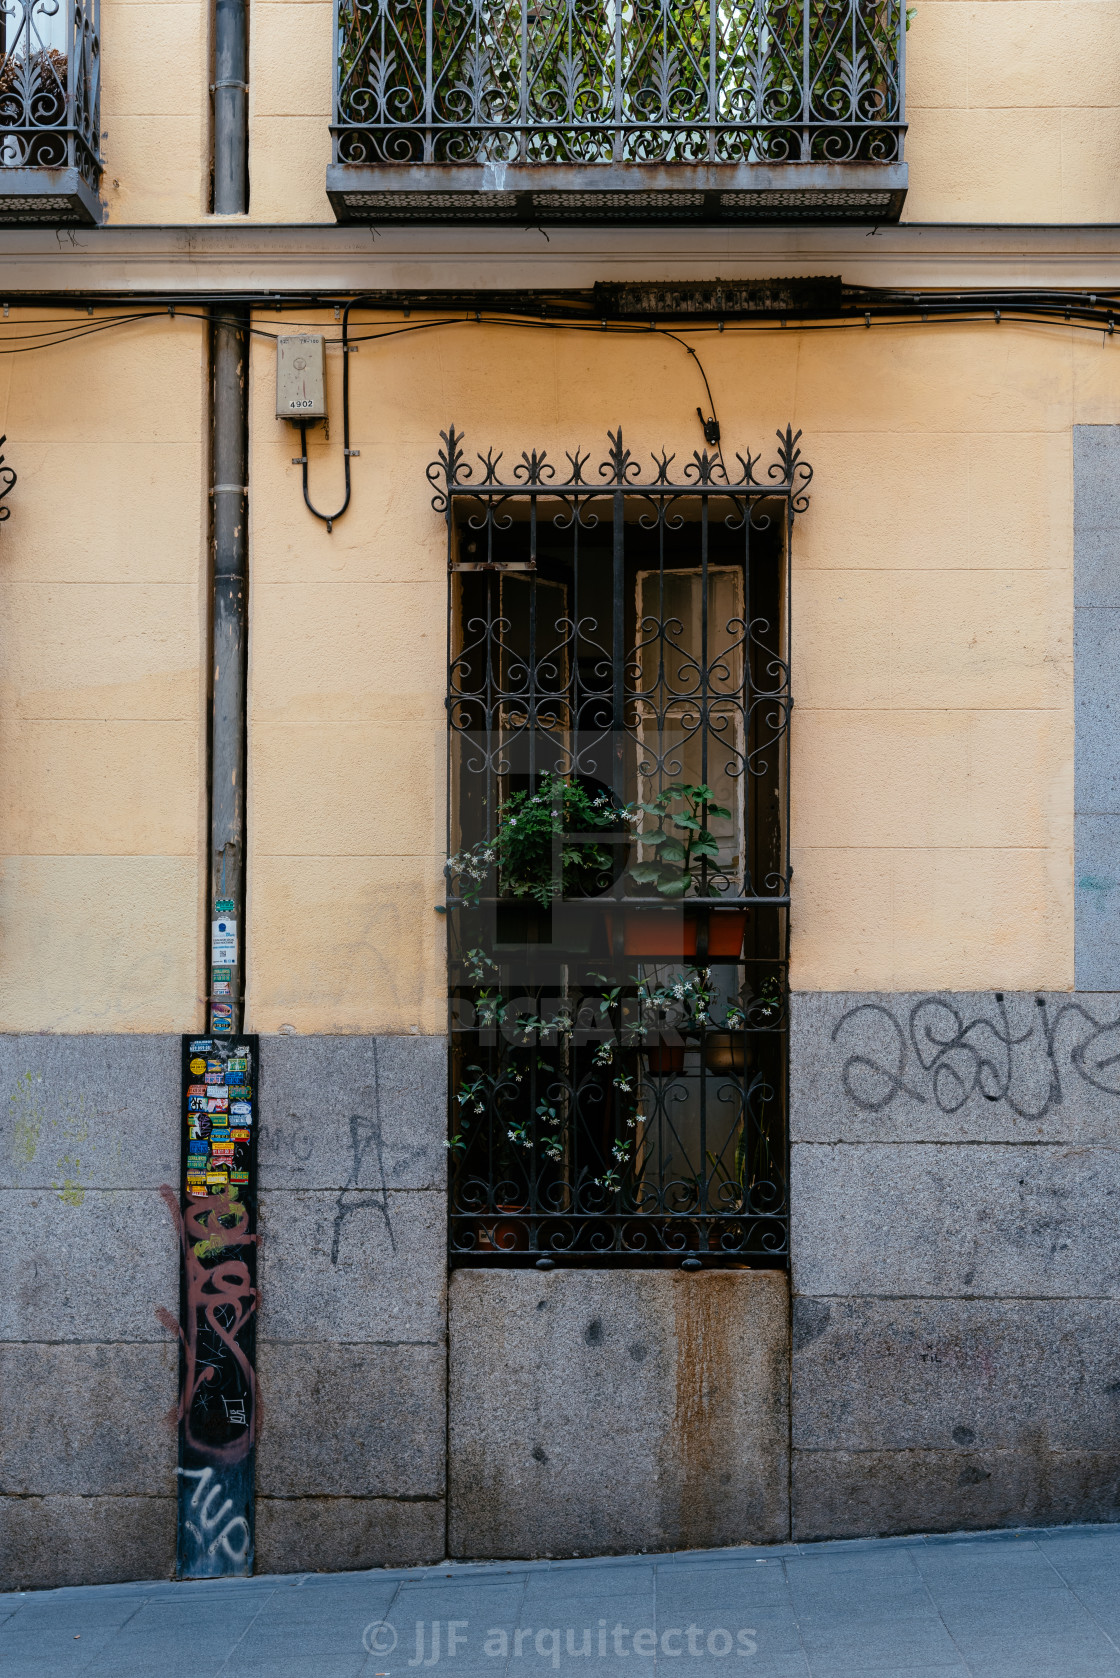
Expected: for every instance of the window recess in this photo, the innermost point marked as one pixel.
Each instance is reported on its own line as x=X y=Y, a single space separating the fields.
x=618 y=885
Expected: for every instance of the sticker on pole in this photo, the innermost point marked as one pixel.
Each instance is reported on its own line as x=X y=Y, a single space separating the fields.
x=223 y=941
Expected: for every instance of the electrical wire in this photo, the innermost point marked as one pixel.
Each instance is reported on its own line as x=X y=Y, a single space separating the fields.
x=1095 y=312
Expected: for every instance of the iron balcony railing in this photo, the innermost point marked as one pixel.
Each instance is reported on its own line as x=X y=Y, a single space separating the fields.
x=50 y=89
x=595 y=81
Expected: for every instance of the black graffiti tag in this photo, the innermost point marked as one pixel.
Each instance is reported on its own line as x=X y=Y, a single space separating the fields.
x=943 y=1054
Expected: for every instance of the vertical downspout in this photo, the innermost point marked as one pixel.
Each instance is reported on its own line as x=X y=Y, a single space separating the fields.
x=231 y=107
x=229 y=623
x=229 y=457
x=217 y=1452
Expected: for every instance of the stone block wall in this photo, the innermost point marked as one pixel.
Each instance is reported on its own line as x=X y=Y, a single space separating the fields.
x=596 y=1411
x=1096 y=652
x=955 y=1191
x=88 y=1377
x=352 y=1335
x=351 y=1348
x=955 y=1195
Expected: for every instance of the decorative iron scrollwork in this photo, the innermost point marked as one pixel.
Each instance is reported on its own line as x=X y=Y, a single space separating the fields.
x=659 y=81
x=790 y=474
x=7 y=481
x=618 y=880
x=50 y=86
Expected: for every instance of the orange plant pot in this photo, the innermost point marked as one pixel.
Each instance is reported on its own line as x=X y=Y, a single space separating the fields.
x=665 y=1060
x=673 y=932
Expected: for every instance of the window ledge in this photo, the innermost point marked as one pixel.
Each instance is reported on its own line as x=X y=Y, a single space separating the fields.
x=634 y=193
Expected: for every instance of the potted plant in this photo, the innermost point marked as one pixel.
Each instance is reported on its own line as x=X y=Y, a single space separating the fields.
x=685 y=860
x=544 y=849
x=685 y=1005
x=728 y=1048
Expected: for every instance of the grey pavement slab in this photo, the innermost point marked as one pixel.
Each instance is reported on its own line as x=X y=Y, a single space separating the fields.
x=1016 y=1604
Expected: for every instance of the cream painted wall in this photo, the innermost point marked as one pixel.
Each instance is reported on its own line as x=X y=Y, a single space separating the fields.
x=932 y=745
x=1014 y=110
x=155 y=110
x=102 y=682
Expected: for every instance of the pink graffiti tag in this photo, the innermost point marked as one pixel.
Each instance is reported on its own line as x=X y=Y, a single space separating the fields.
x=216 y=1220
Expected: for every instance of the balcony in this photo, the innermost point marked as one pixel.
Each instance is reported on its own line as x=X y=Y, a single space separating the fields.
x=609 y=111
x=50 y=86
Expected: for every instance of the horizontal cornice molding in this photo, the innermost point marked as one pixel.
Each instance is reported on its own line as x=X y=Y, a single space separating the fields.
x=243 y=256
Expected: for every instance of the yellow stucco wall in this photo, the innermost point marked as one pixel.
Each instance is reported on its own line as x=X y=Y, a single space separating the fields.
x=155 y=110
x=932 y=745
x=1014 y=110
x=102 y=677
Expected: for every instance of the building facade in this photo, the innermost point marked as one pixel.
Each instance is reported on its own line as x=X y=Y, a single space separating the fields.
x=723 y=417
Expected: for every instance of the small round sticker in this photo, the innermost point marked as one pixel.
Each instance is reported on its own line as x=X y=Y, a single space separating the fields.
x=198 y=1065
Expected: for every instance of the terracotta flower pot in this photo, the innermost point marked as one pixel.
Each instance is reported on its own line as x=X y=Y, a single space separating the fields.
x=672 y=931
x=665 y=1059
x=509 y=1235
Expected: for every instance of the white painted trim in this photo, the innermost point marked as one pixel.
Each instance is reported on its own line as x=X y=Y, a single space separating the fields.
x=245 y=256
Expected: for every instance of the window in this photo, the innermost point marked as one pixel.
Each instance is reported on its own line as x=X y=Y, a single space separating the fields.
x=50 y=70
x=618 y=889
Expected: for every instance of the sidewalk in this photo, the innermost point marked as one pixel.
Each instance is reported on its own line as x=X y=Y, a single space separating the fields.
x=1031 y=1604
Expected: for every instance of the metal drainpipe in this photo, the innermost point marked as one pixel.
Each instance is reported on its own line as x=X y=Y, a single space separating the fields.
x=231 y=107
x=229 y=455
x=230 y=462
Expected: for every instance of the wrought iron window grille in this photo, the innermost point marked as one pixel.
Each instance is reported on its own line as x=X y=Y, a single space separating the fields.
x=618 y=883
x=50 y=118
x=648 y=109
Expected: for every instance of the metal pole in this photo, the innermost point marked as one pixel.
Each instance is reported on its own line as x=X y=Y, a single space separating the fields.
x=229 y=459
x=230 y=495
x=231 y=107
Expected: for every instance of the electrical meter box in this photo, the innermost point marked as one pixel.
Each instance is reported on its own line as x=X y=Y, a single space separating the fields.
x=300 y=378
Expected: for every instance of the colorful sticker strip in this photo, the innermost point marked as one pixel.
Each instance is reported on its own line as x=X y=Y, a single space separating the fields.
x=217 y=1219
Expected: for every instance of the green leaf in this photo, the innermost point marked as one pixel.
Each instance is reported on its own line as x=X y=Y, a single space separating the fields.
x=674 y=888
x=718 y=810
x=672 y=851
x=646 y=873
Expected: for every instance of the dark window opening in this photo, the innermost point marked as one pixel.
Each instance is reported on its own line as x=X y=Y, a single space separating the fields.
x=618 y=889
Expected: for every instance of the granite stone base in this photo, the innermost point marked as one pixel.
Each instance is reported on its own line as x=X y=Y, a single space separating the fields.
x=342 y=1534
x=49 y=1541
x=955 y=1191
x=352 y=1330
x=597 y=1412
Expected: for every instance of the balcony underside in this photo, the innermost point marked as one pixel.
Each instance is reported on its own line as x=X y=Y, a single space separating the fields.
x=529 y=194
x=49 y=197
